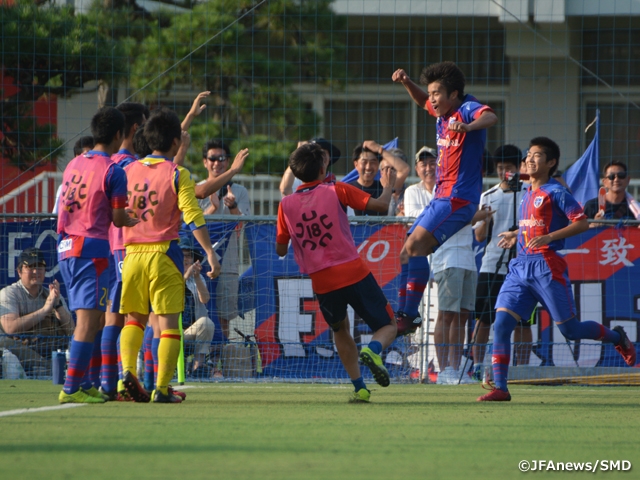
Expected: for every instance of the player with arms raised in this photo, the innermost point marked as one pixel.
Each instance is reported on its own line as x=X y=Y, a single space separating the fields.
x=461 y=136
x=548 y=215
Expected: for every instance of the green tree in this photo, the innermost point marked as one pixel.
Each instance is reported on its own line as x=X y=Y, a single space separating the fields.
x=249 y=63
x=48 y=51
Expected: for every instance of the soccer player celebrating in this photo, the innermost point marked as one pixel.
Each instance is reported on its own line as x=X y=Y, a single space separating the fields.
x=94 y=194
x=548 y=215
x=314 y=220
x=159 y=192
x=461 y=134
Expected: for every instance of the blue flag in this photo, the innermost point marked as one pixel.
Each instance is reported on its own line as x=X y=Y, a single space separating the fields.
x=353 y=174
x=583 y=177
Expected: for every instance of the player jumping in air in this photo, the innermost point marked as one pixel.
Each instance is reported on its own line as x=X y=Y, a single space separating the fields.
x=461 y=135
x=548 y=215
x=314 y=220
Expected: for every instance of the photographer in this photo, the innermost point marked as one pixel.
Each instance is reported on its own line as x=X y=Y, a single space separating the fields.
x=500 y=215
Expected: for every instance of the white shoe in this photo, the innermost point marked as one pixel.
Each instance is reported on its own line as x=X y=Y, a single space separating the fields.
x=466 y=378
x=447 y=377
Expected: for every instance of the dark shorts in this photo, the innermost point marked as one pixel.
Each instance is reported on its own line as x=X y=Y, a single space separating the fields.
x=534 y=278
x=115 y=279
x=486 y=296
x=444 y=217
x=87 y=282
x=366 y=298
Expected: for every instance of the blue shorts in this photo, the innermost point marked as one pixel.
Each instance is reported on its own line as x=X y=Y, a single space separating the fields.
x=87 y=282
x=444 y=217
x=536 y=278
x=115 y=279
x=366 y=298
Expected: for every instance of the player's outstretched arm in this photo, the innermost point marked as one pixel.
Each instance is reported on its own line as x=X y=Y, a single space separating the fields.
x=574 y=228
x=485 y=120
x=202 y=236
x=212 y=185
x=415 y=92
x=185 y=141
x=387 y=179
x=196 y=109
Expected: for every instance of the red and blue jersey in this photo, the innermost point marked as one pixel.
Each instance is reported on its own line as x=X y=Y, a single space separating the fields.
x=543 y=211
x=92 y=186
x=459 y=167
x=123 y=158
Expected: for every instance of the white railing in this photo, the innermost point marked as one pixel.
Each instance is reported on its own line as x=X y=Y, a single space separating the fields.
x=263 y=190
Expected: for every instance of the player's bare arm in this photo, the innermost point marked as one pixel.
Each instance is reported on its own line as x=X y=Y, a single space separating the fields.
x=281 y=249
x=196 y=109
x=387 y=179
x=485 y=120
x=213 y=185
x=121 y=218
x=574 y=228
x=415 y=92
x=184 y=146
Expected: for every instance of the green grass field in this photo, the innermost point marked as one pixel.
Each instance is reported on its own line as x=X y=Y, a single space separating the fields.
x=299 y=431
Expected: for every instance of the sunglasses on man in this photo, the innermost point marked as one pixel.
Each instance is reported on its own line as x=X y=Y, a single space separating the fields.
x=620 y=175
x=221 y=158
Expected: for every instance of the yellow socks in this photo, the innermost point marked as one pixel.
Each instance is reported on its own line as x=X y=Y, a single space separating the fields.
x=130 y=343
x=168 y=352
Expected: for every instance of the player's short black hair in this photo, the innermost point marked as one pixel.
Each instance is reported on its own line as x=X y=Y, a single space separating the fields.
x=133 y=113
x=508 y=154
x=307 y=161
x=446 y=73
x=161 y=129
x=551 y=150
x=140 y=144
x=614 y=163
x=82 y=143
x=106 y=124
x=358 y=151
x=215 y=143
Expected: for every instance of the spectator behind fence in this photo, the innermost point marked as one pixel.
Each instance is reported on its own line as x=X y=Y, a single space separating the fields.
x=231 y=199
x=198 y=327
x=619 y=204
x=368 y=158
x=33 y=312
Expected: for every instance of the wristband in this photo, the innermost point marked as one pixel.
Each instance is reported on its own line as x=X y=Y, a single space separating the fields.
x=233 y=205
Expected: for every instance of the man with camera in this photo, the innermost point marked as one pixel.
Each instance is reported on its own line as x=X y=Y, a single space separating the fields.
x=500 y=215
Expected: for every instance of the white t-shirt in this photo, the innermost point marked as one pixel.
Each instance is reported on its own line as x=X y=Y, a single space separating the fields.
x=457 y=252
x=416 y=197
x=502 y=220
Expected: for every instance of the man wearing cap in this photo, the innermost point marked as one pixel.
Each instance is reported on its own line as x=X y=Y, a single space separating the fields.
x=231 y=199
x=198 y=327
x=27 y=308
x=290 y=183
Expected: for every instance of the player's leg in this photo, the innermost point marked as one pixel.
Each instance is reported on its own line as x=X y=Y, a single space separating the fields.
x=556 y=295
x=404 y=275
x=87 y=284
x=150 y=361
x=368 y=300
x=93 y=372
x=334 y=310
x=168 y=352
x=522 y=339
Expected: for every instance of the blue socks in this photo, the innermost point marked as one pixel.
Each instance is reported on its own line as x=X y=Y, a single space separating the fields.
x=109 y=351
x=402 y=289
x=575 y=330
x=502 y=330
x=359 y=384
x=417 y=279
x=375 y=347
x=79 y=358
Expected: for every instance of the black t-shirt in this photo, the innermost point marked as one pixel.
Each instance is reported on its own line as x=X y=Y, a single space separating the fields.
x=375 y=190
x=612 y=211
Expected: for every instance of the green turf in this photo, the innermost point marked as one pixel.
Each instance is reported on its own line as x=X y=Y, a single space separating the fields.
x=292 y=431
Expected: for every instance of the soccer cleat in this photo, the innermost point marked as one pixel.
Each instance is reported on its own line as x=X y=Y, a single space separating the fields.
x=159 y=397
x=178 y=393
x=407 y=324
x=495 y=395
x=625 y=347
x=361 y=396
x=134 y=389
x=108 y=396
x=95 y=393
x=78 y=397
x=374 y=363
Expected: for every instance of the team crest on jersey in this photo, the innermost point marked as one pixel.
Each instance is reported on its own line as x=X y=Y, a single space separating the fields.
x=538 y=201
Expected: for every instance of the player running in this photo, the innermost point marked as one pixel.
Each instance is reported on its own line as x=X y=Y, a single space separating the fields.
x=461 y=135
x=314 y=220
x=548 y=215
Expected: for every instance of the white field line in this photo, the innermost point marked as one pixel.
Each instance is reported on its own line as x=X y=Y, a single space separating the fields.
x=41 y=409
